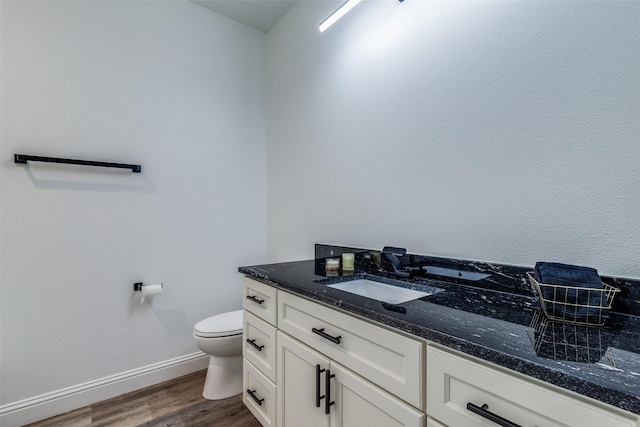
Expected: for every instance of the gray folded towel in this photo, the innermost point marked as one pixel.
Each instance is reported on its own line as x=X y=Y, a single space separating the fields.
x=571 y=303
x=554 y=273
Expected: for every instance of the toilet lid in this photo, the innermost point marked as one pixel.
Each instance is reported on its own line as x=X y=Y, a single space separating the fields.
x=220 y=325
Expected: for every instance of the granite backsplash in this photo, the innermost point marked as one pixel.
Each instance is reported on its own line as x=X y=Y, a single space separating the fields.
x=506 y=278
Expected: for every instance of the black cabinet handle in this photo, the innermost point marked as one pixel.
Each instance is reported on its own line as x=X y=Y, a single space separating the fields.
x=254 y=299
x=254 y=397
x=328 y=403
x=323 y=334
x=318 y=397
x=482 y=411
x=254 y=345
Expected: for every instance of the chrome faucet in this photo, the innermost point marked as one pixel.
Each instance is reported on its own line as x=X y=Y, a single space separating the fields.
x=391 y=254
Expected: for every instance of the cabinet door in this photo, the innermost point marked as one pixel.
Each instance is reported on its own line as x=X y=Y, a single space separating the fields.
x=299 y=384
x=362 y=404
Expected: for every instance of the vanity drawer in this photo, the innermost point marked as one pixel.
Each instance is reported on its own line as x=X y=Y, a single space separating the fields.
x=259 y=394
x=454 y=382
x=433 y=423
x=260 y=299
x=388 y=359
x=259 y=344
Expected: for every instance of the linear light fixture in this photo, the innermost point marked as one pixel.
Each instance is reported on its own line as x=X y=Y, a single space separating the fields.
x=338 y=13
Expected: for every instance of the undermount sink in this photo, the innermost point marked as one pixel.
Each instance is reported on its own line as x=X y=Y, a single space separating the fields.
x=371 y=287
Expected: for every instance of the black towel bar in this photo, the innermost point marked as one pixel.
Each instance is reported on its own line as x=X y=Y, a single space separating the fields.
x=23 y=159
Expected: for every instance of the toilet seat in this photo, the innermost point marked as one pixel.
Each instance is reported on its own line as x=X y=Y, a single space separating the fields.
x=220 y=325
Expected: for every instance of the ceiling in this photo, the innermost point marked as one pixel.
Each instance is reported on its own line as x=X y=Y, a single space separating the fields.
x=259 y=14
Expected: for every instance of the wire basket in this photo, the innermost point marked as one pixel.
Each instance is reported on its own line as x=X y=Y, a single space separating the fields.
x=573 y=304
x=569 y=342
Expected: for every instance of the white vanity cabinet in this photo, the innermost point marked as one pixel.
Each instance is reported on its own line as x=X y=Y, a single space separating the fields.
x=316 y=391
x=307 y=364
x=464 y=392
x=297 y=374
x=259 y=350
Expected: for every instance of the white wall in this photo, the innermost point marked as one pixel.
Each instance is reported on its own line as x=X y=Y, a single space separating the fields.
x=490 y=130
x=171 y=86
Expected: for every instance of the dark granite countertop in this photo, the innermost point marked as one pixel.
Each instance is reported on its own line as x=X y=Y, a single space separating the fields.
x=495 y=319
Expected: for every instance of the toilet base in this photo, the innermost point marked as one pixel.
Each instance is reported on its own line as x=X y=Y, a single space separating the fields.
x=224 y=378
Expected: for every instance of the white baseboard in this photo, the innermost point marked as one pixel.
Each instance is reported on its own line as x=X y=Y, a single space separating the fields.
x=60 y=401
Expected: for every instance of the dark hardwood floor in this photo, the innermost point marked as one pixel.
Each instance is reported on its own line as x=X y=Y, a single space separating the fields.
x=175 y=403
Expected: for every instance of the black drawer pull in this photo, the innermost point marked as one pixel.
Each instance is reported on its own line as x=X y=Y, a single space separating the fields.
x=328 y=403
x=254 y=397
x=482 y=411
x=254 y=345
x=318 y=397
x=323 y=334
x=254 y=299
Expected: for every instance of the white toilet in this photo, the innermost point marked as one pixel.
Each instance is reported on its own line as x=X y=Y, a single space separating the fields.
x=221 y=337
